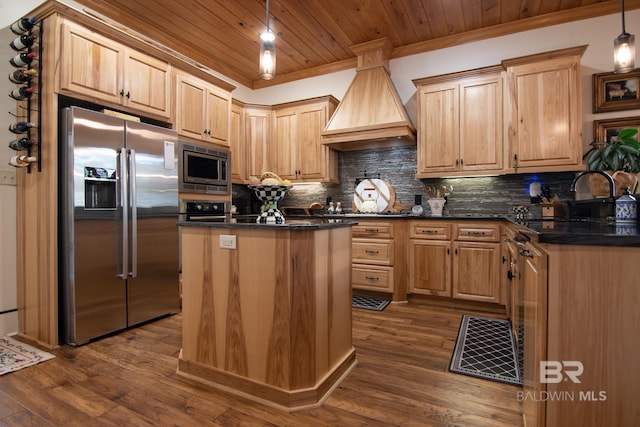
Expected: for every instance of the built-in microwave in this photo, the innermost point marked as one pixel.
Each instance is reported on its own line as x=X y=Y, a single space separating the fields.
x=204 y=169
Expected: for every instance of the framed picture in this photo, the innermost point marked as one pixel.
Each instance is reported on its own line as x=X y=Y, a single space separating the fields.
x=616 y=92
x=604 y=130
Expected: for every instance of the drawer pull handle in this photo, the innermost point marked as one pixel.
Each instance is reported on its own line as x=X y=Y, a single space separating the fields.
x=372 y=230
x=525 y=253
x=476 y=233
x=430 y=231
x=371 y=278
x=369 y=251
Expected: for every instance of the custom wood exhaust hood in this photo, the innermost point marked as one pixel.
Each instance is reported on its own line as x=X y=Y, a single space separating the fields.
x=371 y=114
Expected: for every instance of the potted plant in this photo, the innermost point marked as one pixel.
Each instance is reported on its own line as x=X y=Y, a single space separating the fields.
x=619 y=157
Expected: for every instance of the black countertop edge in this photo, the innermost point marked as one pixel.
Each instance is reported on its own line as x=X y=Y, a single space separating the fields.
x=561 y=231
x=590 y=232
x=296 y=224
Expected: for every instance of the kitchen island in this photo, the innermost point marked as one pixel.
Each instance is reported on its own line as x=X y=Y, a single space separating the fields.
x=267 y=308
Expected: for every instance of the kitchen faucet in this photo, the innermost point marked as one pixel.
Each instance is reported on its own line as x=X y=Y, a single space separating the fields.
x=612 y=184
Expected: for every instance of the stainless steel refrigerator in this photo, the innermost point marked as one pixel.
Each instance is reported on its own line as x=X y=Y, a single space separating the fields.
x=118 y=232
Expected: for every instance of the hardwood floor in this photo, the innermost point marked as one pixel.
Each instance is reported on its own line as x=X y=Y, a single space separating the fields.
x=130 y=379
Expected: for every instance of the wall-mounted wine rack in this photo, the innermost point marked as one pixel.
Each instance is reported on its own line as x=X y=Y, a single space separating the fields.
x=35 y=82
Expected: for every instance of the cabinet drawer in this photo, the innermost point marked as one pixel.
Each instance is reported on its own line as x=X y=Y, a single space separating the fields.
x=474 y=232
x=373 y=229
x=372 y=251
x=432 y=230
x=372 y=278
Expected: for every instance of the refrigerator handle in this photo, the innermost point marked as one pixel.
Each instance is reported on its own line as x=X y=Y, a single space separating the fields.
x=134 y=213
x=124 y=197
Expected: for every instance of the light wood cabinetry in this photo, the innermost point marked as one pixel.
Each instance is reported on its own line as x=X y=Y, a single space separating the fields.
x=260 y=326
x=257 y=139
x=534 y=335
x=237 y=144
x=101 y=70
x=430 y=258
x=372 y=256
x=459 y=260
x=300 y=154
x=510 y=276
x=203 y=110
x=460 y=128
x=544 y=111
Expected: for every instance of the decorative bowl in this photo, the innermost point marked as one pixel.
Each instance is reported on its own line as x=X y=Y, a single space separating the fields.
x=270 y=195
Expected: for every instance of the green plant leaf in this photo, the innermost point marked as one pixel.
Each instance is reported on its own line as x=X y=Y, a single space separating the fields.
x=627 y=134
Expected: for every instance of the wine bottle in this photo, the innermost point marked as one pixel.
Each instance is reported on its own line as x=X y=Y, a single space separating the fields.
x=21 y=144
x=23 y=25
x=20 y=127
x=21 y=76
x=22 y=42
x=22 y=92
x=22 y=59
x=22 y=161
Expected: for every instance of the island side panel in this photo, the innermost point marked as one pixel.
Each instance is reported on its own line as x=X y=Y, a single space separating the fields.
x=594 y=295
x=277 y=311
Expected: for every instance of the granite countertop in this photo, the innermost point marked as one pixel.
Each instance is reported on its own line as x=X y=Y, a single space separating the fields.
x=596 y=232
x=579 y=231
x=308 y=223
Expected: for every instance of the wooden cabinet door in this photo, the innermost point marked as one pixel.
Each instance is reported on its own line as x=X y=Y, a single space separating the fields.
x=258 y=128
x=534 y=276
x=217 y=116
x=286 y=143
x=545 y=128
x=237 y=145
x=430 y=267
x=476 y=269
x=312 y=154
x=481 y=124
x=190 y=107
x=438 y=124
x=91 y=64
x=147 y=84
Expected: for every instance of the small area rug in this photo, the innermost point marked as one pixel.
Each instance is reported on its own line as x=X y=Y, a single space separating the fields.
x=369 y=303
x=485 y=348
x=15 y=355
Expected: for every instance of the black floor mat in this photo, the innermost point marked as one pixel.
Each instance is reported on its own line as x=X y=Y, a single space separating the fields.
x=485 y=348
x=369 y=303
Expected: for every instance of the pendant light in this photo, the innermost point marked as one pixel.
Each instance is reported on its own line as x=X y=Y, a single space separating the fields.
x=267 y=52
x=624 y=50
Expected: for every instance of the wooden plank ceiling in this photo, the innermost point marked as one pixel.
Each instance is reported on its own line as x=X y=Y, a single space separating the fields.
x=313 y=36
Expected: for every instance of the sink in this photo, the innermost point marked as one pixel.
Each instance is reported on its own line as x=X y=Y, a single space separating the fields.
x=601 y=208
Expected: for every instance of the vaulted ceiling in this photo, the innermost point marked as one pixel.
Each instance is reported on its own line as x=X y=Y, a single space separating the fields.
x=314 y=36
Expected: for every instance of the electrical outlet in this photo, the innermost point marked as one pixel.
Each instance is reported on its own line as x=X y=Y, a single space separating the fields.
x=227 y=241
x=7 y=177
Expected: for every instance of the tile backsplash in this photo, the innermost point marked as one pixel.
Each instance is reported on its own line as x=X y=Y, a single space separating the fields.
x=397 y=165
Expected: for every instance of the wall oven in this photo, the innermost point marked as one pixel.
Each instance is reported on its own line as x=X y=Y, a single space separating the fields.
x=204 y=169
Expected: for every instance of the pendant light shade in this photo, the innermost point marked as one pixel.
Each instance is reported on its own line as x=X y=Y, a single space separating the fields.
x=267 y=52
x=267 y=56
x=624 y=50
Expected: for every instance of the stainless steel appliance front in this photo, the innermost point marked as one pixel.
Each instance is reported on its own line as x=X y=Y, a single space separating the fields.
x=204 y=169
x=119 y=208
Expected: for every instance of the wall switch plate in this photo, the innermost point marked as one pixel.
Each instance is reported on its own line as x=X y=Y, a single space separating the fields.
x=7 y=177
x=227 y=241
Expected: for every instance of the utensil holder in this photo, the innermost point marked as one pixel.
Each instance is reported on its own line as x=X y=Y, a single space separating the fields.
x=436 y=205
